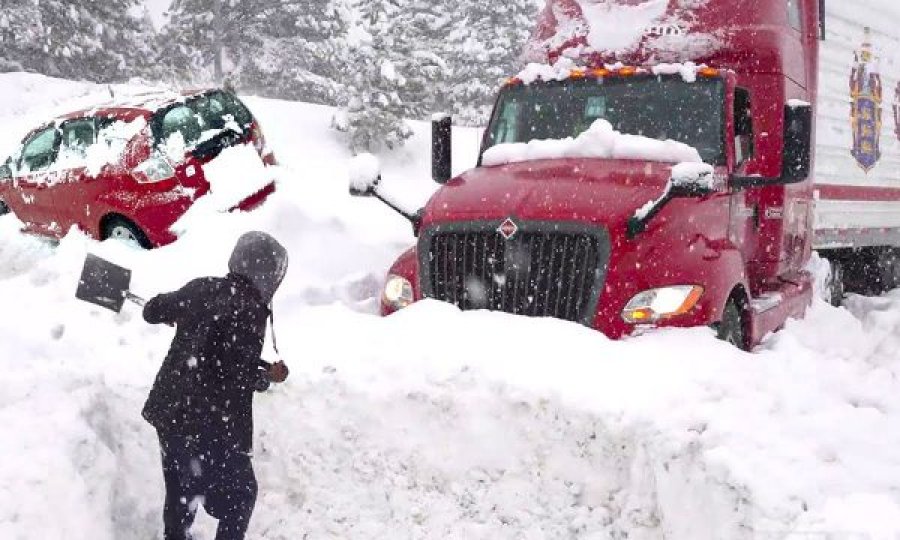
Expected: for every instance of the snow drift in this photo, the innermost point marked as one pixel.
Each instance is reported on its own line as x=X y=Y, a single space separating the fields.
x=435 y=423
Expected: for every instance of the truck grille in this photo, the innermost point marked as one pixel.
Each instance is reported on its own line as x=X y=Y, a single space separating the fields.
x=541 y=271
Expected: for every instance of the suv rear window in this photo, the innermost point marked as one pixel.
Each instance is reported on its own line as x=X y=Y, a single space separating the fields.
x=199 y=116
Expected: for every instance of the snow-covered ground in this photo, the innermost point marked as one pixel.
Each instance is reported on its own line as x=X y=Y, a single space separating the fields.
x=433 y=423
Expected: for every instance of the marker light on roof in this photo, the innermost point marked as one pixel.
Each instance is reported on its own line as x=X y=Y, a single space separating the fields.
x=512 y=81
x=708 y=72
x=627 y=71
x=600 y=72
x=578 y=73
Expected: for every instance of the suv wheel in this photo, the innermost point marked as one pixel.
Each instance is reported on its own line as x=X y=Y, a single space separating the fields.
x=731 y=329
x=125 y=231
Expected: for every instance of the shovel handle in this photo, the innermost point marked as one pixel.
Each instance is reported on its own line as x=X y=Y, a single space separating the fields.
x=141 y=302
x=135 y=298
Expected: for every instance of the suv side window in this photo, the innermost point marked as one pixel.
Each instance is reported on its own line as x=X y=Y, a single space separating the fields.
x=794 y=15
x=203 y=113
x=39 y=152
x=181 y=119
x=77 y=136
x=235 y=107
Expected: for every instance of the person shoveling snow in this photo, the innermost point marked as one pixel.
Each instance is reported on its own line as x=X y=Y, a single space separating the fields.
x=201 y=403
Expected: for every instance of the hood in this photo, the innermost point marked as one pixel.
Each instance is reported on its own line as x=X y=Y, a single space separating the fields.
x=598 y=191
x=261 y=259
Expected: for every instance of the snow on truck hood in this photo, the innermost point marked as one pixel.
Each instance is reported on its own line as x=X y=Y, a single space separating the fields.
x=601 y=174
x=607 y=191
x=599 y=141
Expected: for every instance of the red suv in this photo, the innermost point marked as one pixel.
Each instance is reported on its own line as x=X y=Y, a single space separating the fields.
x=128 y=170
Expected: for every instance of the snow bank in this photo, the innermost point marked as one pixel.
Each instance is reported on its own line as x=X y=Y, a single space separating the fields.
x=599 y=141
x=435 y=423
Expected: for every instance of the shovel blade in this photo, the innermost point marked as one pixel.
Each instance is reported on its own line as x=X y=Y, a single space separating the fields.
x=103 y=283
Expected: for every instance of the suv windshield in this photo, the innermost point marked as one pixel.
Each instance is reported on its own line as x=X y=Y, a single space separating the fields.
x=661 y=108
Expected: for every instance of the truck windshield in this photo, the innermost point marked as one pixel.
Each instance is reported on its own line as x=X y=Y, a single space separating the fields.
x=656 y=107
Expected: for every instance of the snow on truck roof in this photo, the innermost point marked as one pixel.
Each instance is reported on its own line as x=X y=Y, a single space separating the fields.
x=722 y=33
x=566 y=68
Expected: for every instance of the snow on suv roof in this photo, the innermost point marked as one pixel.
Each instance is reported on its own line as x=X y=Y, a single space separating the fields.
x=130 y=106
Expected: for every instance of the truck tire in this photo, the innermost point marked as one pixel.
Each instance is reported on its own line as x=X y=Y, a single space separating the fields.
x=732 y=329
x=123 y=230
x=889 y=264
x=862 y=274
x=834 y=288
x=4 y=209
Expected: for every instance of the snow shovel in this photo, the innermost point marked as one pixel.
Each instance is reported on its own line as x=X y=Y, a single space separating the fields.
x=105 y=284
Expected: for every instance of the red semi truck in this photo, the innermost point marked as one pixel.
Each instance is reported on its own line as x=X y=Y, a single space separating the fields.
x=624 y=239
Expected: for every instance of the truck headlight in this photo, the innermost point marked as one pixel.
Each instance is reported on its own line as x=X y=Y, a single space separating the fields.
x=664 y=303
x=398 y=292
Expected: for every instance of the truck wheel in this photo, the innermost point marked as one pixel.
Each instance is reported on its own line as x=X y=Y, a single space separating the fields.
x=123 y=230
x=834 y=288
x=4 y=209
x=890 y=269
x=731 y=329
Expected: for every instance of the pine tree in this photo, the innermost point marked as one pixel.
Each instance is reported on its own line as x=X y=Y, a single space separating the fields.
x=20 y=32
x=303 y=50
x=206 y=39
x=483 y=48
x=422 y=26
x=98 y=41
x=373 y=114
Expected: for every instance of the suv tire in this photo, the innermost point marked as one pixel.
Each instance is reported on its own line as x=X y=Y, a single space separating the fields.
x=125 y=231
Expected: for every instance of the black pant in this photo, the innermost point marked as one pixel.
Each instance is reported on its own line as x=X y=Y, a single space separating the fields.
x=221 y=480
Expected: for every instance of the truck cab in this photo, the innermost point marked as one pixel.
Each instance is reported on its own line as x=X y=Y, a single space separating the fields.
x=627 y=238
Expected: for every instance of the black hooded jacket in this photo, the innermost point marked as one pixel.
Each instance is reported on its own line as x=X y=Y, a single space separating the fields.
x=204 y=388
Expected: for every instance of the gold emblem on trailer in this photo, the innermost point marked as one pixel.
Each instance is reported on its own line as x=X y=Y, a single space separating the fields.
x=865 y=103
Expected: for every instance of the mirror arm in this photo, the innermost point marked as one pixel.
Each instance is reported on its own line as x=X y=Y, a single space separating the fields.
x=638 y=224
x=415 y=219
x=744 y=182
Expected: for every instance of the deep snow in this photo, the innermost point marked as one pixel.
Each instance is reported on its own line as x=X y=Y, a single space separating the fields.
x=434 y=423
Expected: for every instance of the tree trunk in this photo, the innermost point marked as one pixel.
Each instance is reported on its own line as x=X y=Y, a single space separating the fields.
x=218 y=39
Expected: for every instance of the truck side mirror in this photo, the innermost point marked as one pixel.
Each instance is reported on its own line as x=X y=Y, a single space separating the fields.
x=797 y=161
x=822 y=20
x=743 y=126
x=692 y=180
x=441 y=148
x=365 y=175
x=688 y=180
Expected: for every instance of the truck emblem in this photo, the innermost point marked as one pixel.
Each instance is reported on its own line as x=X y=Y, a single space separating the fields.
x=865 y=108
x=664 y=30
x=508 y=229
